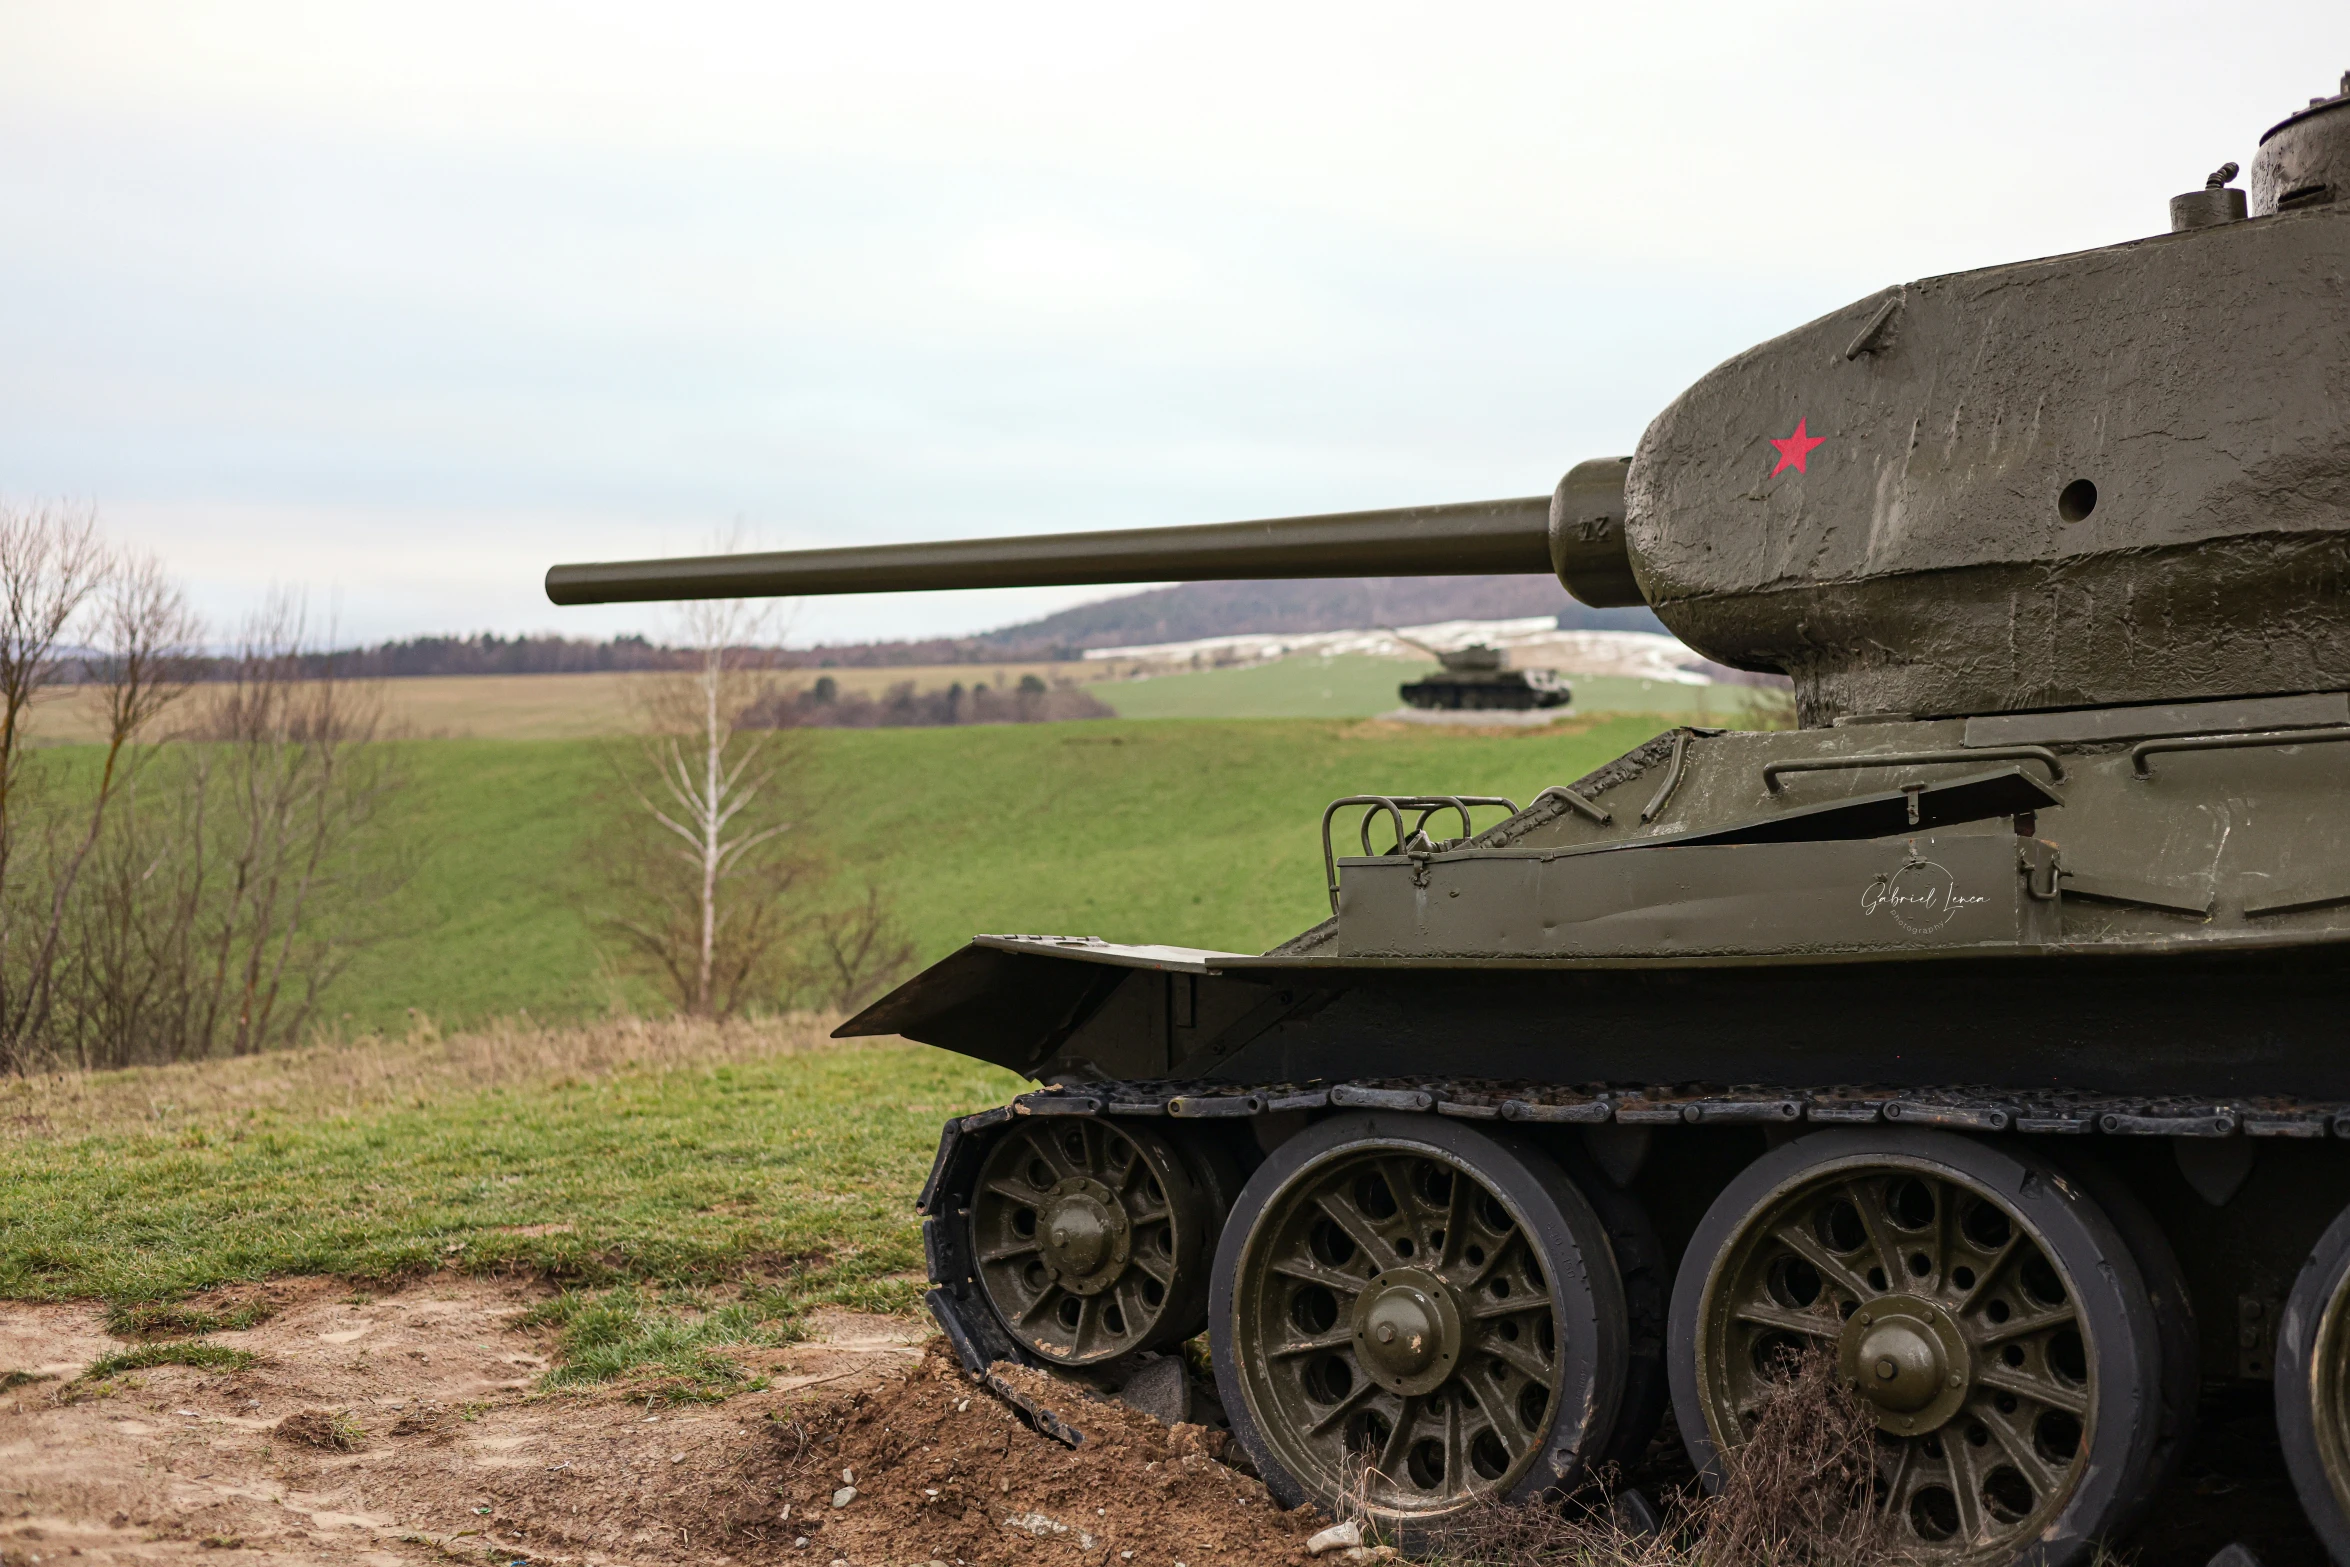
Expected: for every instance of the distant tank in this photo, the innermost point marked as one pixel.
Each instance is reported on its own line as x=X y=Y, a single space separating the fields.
x=1983 y=1033
x=1479 y=678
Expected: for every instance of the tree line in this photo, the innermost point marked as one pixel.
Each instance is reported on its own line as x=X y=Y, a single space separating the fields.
x=487 y=653
x=824 y=705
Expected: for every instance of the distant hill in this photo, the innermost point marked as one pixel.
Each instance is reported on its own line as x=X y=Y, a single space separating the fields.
x=1193 y=610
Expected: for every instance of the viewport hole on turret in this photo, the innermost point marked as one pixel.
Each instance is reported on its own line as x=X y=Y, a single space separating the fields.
x=2076 y=500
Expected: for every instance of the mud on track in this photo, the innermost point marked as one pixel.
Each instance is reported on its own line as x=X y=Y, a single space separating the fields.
x=462 y=1460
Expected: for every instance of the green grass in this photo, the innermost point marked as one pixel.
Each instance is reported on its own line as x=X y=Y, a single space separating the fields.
x=1200 y=832
x=204 y=1357
x=495 y=918
x=794 y=1169
x=1664 y=703
x=170 y=1319
x=1349 y=686
x=677 y=1340
x=697 y=1209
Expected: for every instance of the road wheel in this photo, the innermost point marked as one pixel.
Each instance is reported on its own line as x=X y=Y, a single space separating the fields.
x=1091 y=1238
x=2174 y=1313
x=1986 y=1311
x=1418 y=1314
x=2313 y=1387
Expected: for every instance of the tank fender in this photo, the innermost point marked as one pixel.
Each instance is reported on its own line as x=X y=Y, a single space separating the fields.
x=1009 y=1008
x=1026 y=1003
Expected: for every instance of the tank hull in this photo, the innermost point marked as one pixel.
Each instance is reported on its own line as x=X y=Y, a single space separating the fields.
x=2116 y=1030
x=2140 y=900
x=2209 y=1088
x=1503 y=691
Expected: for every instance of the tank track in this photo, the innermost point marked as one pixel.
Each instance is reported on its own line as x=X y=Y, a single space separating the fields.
x=980 y=1341
x=1959 y=1108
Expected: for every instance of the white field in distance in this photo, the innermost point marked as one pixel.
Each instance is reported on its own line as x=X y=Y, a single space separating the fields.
x=1532 y=642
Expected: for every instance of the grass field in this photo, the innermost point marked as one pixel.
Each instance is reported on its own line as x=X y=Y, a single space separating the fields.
x=695 y=1188
x=1201 y=833
x=1347 y=687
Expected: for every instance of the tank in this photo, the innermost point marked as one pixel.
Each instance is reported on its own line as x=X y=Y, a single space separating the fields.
x=1478 y=678
x=1981 y=1036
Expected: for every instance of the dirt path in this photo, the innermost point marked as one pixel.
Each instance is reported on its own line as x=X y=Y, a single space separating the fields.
x=460 y=1461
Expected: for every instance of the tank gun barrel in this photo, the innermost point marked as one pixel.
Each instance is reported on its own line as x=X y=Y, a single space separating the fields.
x=1459 y=539
x=1413 y=642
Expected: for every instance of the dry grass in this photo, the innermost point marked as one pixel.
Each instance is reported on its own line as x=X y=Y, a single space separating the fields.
x=1799 y=1494
x=333 y=1430
x=563 y=707
x=377 y=1073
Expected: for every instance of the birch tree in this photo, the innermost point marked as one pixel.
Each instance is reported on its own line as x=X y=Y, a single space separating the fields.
x=708 y=906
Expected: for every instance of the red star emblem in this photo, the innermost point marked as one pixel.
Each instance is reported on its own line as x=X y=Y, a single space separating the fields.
x=1794 y=449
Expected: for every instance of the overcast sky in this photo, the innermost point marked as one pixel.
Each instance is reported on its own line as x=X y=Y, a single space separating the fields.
x=399 y=304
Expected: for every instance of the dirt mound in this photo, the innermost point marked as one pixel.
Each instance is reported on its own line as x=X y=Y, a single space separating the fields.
x=934 y=1468
x=319 y=1428
x=458 y=1455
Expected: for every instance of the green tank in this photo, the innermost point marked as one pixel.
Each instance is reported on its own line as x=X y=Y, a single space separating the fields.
x=1984 y=1033
x=1478 y=679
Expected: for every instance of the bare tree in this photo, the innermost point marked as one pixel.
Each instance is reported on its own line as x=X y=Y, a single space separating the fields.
x=706 y=891
x=50 y=563
x=225 y=879
x=284 y=860
x=142 y=664
x=56 y=577
x=858 y=952
x=168 y=900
